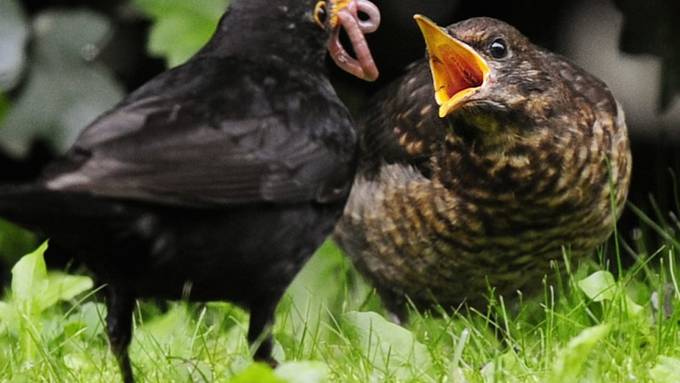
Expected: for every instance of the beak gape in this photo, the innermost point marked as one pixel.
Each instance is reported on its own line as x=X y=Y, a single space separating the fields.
x=457 y=70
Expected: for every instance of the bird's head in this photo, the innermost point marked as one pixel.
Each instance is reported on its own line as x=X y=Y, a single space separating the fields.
x=357 y=18
x=487 y=72
x=301 y=31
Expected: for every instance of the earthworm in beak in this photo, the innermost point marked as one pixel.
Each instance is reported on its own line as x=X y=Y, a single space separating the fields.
x=363 y=65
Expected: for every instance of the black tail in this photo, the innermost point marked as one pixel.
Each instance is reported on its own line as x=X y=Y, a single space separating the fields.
x=20 y=202
x=36 y=207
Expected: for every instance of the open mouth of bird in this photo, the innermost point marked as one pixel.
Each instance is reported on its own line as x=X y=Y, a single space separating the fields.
x=357 y=18
x=457 y=70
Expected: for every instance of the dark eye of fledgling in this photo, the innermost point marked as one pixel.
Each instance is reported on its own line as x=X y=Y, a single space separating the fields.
x=498 y=48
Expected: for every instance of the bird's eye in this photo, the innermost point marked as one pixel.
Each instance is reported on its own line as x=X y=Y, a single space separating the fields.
x=320 y=14
x=498 y=49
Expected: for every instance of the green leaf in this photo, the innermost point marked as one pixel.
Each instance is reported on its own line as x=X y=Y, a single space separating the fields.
x=171 y=330
x=666 y=370
x=632 y=309
x=257 y=373
x=13 y=39
x=181 y=27
x=571 y=359
x=507 y=365
x=303 y=372
x=8 y=317
x=165 y=326
x=89 y=317
x=391 y=348
x=15 y=242
x=599 y=286
x=312 y=297
x=29 y=275
x=62 y=287
x=5 y=312
x=33 y=285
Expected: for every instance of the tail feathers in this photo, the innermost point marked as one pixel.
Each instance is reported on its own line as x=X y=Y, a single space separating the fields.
x=19 y=199
x=35 y=207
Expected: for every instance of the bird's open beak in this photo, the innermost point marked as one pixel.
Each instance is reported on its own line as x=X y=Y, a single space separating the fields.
x=457 y=70
x=345 y=15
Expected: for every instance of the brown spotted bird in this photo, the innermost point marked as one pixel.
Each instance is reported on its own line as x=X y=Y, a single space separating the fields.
x=480 y=165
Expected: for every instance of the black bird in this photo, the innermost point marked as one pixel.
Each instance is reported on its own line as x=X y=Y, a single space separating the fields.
x=217 y=179
x=479 y=165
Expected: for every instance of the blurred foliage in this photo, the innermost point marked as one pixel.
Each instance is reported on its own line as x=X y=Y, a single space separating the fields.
x=14 y=242
x=323 y=282
x=14 y=32
x=257 y=373
x=387 y=346
x=65 y=88
x=325 y=288
x=303 y=372
x=652 y=27
x=180 y=27
x=34 y=291
x=4 y=106
x=601 y=286
x=297 y=372
x=667 y=370
x=572 y=359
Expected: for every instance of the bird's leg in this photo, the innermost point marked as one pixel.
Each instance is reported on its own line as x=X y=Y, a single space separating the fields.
x=120 y=306
x=395 y=304
x=259 y=329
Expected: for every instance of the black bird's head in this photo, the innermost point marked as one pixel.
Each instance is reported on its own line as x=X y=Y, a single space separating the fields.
x=300 y=31
x=487 y=73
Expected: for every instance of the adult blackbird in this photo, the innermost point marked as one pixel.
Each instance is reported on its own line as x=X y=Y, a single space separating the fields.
x=518 y=154
x=217 y=179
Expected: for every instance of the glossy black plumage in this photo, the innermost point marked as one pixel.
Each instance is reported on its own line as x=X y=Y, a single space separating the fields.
x=215 y=180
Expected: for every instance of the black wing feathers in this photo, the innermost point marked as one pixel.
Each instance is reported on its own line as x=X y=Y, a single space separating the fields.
x=242 y=141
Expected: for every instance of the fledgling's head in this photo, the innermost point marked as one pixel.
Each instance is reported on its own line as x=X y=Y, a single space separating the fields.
x=485 y=68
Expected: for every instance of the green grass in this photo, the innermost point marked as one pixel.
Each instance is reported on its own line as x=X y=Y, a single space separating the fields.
x=596 y=324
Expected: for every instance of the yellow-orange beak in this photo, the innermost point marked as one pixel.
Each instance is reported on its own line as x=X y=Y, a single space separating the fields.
x=457 y=70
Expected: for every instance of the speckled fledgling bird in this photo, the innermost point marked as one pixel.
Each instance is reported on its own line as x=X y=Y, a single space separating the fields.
x=483 y=182
x=217 y=179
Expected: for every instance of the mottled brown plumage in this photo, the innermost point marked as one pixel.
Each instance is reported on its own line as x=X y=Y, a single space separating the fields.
x=532 y=162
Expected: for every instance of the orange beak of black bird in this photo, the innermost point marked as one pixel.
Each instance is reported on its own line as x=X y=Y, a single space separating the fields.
x=458 y=71
x=345 y=15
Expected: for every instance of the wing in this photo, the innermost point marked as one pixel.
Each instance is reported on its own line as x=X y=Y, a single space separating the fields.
x=218 y=133
x=401 y=122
